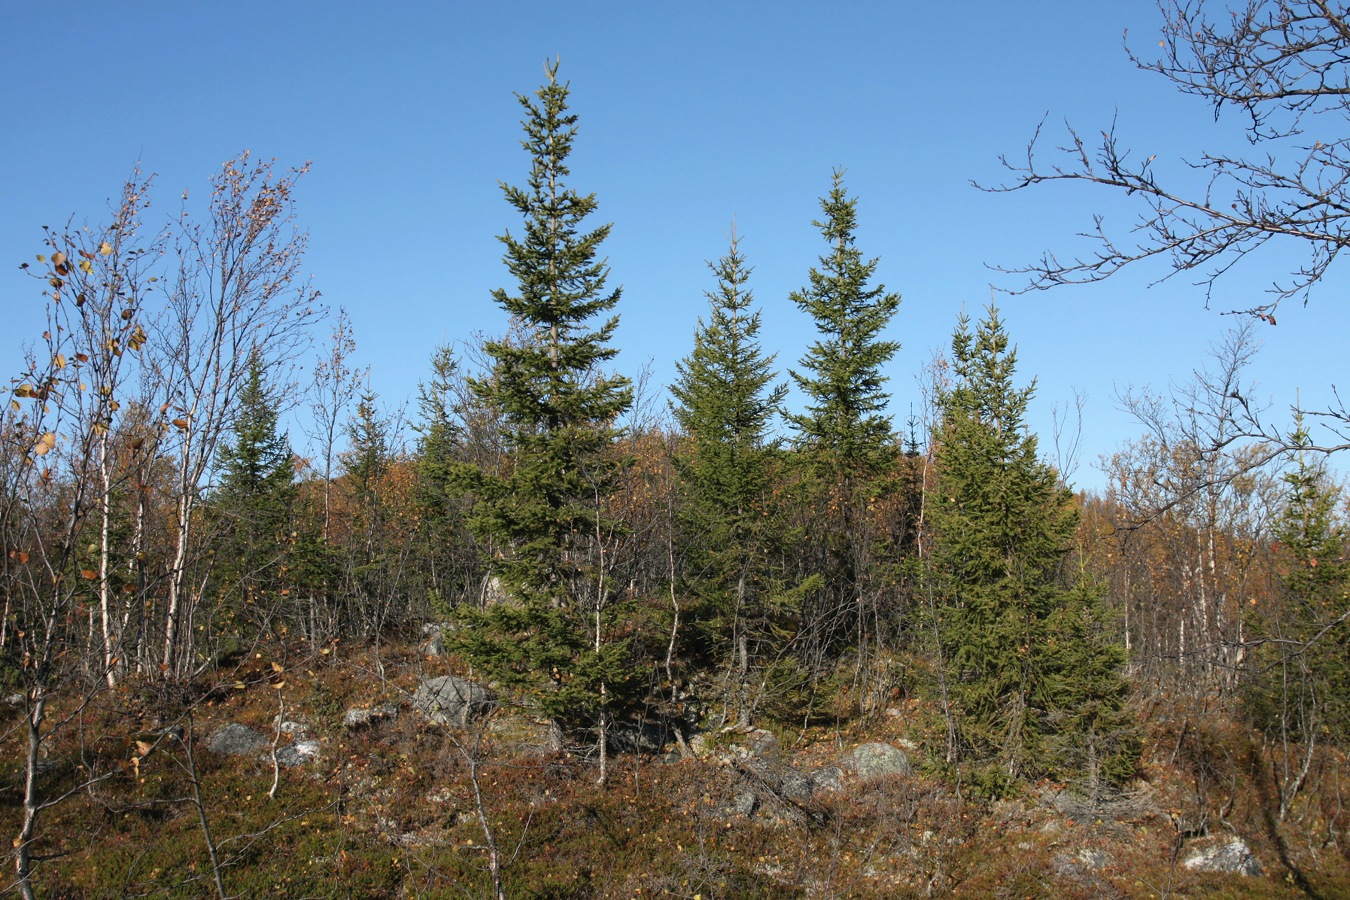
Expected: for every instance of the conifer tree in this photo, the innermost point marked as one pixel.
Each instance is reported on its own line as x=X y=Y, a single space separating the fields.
x=724 y=402
x=255 y=497
x=1298 y=687
x=544 y=514
x=844 y=436
x=1030 y=673
x=442 y=541
x=844 y=424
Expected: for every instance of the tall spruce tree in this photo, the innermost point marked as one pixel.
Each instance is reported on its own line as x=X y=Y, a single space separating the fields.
x=724 y=402
x=1034 y=683
x=844 y=426
x=544 y=513
x=254 y=500
x=844 y=435
x=1298 y=686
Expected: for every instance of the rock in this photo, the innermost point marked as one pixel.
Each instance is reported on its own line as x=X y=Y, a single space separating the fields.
x=637 y=737
x=795 y=786
x=434 y=638
x=448 y=700
x=744 y=803
x=15 y=700
x=1232 y=858
x=236 y=740
x=299 y=729
x=828 y=778
x=297 y=754
x=1075 y=864
x=361 y=718
x=761 y=743
x=875 y=760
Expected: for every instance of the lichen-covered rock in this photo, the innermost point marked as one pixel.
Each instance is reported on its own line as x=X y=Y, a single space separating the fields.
x=1073 y=865
x=828 y=778
x=297 y=754
x=744 y=803
x=358 y=717
x=448 y=700
x=435 y=638
x=235 y=740
x=876 y=760
x=1232 y=858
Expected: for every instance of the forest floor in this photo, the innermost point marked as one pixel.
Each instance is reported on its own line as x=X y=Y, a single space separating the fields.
x=396 y=806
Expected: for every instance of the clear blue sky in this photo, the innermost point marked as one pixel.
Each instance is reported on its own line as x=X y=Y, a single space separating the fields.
x=691 y=114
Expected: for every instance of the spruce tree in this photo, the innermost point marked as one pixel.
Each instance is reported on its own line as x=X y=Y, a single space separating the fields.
x=1030 y=672
x=1298 y=688
x=844 y=437
x=253 y=502
x=844 y=424
x=544 y=512
x=724 y=402
x=442 y=543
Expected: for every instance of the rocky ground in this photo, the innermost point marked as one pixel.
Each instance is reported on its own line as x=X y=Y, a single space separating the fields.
x=390 y=776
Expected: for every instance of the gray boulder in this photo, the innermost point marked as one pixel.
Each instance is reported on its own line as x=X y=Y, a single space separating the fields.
x=795 y=786
x=828 y=778
x=1077 y=864
x=434 y=638
x=236 y=740
x=637 y=737
x=359 y=717
x=1232 y=858
x=744 y=803
x=448 y=700
x=876 y=760
x=297 y=754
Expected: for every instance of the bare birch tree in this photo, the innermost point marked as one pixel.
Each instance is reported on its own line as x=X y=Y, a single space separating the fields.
x=237 y=289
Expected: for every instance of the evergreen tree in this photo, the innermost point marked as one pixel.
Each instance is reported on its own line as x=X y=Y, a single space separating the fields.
x=1030 y=674
x=442 y=541
x=254 y=500
x=844 y=425
x=724 y=401
x=1299 y=687
x=372 y=556
x=544 y=513
x=844 y=437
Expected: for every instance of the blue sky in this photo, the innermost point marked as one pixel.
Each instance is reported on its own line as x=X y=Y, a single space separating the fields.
x=691 y=114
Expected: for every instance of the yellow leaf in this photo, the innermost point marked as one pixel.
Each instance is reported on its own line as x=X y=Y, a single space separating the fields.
x=86 y=266
x=105 y=248
x=45 y=444
x=60 y=360
x=58 y=258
